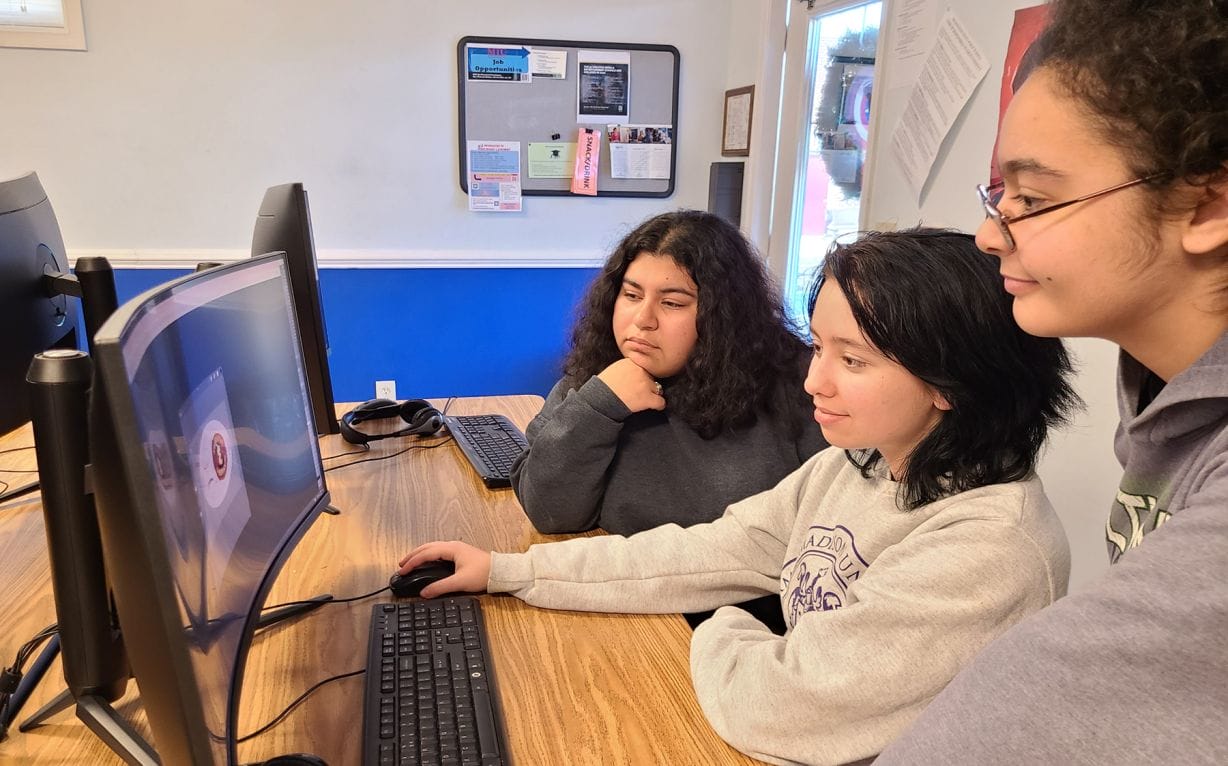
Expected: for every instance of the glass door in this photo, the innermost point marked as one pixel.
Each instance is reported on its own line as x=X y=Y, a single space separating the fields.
x=830 y=53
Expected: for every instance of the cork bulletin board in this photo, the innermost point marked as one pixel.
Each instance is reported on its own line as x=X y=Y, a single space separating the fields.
x=577 y=85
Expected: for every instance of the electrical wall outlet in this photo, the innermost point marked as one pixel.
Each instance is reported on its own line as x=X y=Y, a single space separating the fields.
x=386 y=389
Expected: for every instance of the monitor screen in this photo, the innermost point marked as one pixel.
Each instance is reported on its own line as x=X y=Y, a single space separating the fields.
x=32 y=319
x=207 y=470
x=284 y=225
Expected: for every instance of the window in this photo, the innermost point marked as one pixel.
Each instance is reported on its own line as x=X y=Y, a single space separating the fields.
x=824 y=138
x=42 y=24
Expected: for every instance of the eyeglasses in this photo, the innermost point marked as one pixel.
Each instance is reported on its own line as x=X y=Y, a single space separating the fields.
x=991 y=195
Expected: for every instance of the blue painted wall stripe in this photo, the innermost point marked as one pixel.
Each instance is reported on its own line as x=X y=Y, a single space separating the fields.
x=436 y=332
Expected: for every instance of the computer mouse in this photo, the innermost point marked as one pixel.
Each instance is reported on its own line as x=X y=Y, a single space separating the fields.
x=412 y=582
x=296 y=759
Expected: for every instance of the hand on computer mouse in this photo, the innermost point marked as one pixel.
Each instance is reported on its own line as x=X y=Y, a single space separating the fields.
x=472 y=567
x=420 y=577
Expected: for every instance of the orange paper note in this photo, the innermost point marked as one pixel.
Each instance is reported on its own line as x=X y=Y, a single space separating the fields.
x=588 y=152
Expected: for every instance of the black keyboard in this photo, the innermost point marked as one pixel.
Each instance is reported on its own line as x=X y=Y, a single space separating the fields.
x=430 y=693
x=491 y=443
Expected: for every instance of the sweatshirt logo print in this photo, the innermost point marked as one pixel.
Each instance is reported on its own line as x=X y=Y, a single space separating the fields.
x=819 y=578
x=1132 y=517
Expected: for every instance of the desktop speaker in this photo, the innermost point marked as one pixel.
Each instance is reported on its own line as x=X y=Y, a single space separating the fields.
x=421 y=418
x=725 y=190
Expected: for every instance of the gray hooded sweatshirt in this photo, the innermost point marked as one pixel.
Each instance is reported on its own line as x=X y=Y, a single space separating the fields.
x=1135 y=668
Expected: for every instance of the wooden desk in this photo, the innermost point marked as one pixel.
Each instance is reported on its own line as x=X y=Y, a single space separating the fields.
x=576 y=687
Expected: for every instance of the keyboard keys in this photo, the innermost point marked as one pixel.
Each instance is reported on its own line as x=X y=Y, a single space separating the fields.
x=430 y=701
x=491 y=443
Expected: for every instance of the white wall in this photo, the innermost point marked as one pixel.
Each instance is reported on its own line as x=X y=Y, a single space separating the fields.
x=1078 y=468
x=165 y=133
x=756 y=50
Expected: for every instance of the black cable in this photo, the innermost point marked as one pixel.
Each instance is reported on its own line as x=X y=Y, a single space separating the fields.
x=447 y=404
x=365 y=448
x=389 y=457
x=10 y=492
x=281 y=716
x=332 y=601
x=10 y=678
x=6 y=485
x=18 y=470
x=31 y=646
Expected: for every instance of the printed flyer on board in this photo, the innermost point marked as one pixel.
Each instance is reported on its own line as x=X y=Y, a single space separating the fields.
x=494 y=176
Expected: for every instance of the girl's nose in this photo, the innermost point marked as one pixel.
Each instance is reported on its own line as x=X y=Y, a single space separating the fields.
x=818 y=381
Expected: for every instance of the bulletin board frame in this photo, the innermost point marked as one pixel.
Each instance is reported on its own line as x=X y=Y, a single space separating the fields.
x=540 y=110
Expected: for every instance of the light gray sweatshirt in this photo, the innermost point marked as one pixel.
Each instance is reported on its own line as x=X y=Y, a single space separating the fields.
x=1134 y=669
x=884 y=605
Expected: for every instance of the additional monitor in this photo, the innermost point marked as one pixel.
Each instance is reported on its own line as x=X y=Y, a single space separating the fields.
x=284 y=225
x=31 y=319
x=206 y=469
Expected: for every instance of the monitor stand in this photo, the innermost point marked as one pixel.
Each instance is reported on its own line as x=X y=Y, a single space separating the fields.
x=97 y=714
x=93 y=282
x=95 y=663
x=16 y=490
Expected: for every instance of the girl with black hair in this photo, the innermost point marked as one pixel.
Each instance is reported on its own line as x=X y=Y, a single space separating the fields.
x=896 y=554
x=1113 y=223
x=682 y=391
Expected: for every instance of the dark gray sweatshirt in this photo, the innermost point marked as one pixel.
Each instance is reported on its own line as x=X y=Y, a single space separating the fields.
x=591 y=462
x=1134 y=669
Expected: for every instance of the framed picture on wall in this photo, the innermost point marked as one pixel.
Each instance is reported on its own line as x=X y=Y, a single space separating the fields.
x=735 y=132
x=53 y=24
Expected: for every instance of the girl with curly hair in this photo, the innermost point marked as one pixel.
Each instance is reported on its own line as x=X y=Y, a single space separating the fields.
x=682 y=391
x=895 y=555
x=1114 y=224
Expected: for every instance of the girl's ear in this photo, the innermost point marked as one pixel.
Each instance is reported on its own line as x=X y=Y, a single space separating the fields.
x=1206 y=231
x=940 y=402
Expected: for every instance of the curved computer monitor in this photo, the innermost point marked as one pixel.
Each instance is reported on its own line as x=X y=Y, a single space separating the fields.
x=206 y=470
x=284 y=225
x=32 y=319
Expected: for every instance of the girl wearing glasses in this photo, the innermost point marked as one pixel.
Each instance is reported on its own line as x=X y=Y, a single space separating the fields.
x=895 y=555
x=1114 y=224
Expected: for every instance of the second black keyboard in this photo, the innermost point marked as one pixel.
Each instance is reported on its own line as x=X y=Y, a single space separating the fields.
x=430 y=694
x=491 y=443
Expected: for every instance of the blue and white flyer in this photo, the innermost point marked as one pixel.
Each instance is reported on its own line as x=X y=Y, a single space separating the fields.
x=494 y=176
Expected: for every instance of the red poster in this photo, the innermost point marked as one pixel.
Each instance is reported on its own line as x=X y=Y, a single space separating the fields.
x=1018 y=65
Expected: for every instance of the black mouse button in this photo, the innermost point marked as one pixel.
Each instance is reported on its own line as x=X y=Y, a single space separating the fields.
x=296 y=759
x=402 y=585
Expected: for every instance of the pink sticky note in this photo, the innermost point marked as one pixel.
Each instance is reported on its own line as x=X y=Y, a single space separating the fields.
x=588 y=153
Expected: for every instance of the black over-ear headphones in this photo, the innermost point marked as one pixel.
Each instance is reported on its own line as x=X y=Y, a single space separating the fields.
x=418 y=413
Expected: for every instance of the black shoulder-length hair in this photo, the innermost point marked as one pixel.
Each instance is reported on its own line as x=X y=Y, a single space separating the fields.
x=746 y=351
x=931 y=301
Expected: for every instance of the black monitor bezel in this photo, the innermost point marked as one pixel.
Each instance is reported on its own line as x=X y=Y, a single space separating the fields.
x=134 y=547
x=283 y=224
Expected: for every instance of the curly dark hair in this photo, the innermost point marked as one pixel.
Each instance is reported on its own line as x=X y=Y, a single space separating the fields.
x=931 y=301
x=746 y=351
x=1153 y=73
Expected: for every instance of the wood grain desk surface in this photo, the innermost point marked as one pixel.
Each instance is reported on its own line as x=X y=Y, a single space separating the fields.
x=576 y=688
